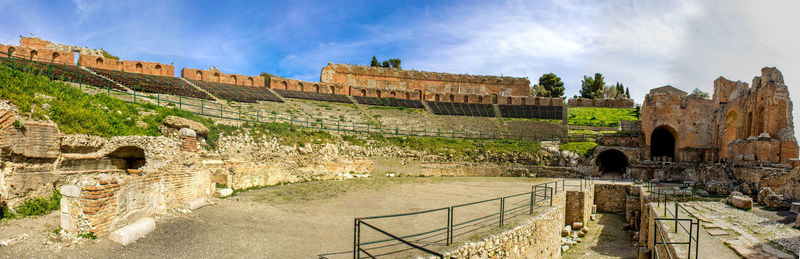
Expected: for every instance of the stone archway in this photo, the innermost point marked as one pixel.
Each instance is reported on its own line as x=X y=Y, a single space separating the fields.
x=199 y=75
x=128 y=157
x=663 y=143
x=139 y=68
x=612 y=164
x=158 y=70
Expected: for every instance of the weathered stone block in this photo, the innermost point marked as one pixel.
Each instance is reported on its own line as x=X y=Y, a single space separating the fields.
x=70 y=191
x=134 y=231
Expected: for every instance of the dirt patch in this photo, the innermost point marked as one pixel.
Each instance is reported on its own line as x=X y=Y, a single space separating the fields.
x=606 y=239
x=291 y=221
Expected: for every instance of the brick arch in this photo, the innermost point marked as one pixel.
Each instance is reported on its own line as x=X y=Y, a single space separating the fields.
x=363 y=92
x=451 y=98
x=285 y=85
x=55 y=55
x=158 y=70
x=480 y=99
x=199 y=74
x=300 y=85
x=316 y=88
x=378 y=93
x=393 y=94
x=333 y=90
x=466 y=99
x=98 y=61
x=139 y=68
x=436 y=97
x=233 y=79
x=216 y=77
x=748 y=127
x=612 y=162
x=408 y=96
x=250 y=81
x=11 y=51
x=508 y=101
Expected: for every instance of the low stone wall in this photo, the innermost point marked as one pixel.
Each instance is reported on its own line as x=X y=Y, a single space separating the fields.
x=579 y=205
x=539 y=237
x=243 y=175
x=611 y=198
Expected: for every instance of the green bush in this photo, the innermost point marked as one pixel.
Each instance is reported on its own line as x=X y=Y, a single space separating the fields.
x=87 y=235
x=39 y=206
x=581 y=148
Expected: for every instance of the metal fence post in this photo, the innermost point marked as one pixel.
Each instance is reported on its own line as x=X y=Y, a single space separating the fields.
x=449 y=227
x=676 y=216
x=532 y=199
x=502 y=209
x=551 y=197
x=356 y=239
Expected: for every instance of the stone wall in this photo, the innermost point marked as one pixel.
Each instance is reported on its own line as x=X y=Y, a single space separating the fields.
x=131 y=66
x=579 y=205
x=740 y=122
x=41 y=55
x=219 y=77
x=601 y=103
x=538 y=237
x=303 y=86
x=428 y=83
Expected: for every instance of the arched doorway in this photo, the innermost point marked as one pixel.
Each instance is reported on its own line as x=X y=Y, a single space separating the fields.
x=250 y=81
x=480 y=99
x=494 y=99
x=216 y=77
x=333 y=90
x=98 y=61
x=452 y=98
x=466 y=99
x=436 y=97
x=199 y=75
x=748 y=128
x=316 y=88
x=408 y=96
x=363 y=92
x=55 y=56
x=34 y=54
x=233 y=80
x=11 y=51
x=662 y=143
x=301 y=86
x=285 y=85
x=378 y=93
x=612 y=164
x=139 y=68
x=158 y=70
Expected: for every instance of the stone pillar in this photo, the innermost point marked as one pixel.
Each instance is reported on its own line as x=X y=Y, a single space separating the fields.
x=70 y=208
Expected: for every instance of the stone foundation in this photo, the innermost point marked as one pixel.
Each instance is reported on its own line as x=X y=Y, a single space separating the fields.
x=579 y=205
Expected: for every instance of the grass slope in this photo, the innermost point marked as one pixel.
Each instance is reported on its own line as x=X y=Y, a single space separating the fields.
x=601 y=117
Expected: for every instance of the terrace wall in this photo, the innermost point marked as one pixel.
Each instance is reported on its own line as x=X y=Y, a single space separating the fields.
x=141 y=67
x=579 y=205
x=601 y=103
x=218 y=77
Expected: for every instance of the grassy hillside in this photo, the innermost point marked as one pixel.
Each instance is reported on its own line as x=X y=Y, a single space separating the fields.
x=601 y=117
x=78 y=113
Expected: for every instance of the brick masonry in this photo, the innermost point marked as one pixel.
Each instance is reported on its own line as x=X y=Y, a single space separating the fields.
x=579 y=205
x=601 y=103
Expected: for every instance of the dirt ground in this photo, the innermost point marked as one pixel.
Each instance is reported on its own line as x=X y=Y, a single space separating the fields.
x=308 y=220
x=606 y=239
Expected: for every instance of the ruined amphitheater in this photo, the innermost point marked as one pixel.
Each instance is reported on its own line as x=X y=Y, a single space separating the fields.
x=382 y=162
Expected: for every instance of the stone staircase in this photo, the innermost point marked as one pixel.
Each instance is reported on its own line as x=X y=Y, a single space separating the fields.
x=201 y=89
x=276 y=94
x=109 y=79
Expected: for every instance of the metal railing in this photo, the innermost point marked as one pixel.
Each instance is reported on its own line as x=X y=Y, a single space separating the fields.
x=662 y=196
x=509 y=207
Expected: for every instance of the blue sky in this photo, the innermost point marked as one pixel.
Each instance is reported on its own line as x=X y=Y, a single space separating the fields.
x=642 y=44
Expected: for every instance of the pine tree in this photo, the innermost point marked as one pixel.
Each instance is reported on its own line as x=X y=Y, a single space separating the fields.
x=593 y=87
x=374 y=62
x=386 y=63
x=628 y=93
x=549 y=85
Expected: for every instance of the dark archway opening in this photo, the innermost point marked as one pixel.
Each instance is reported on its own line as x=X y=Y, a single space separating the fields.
x=612 y=164
x=662 y=144
x=128 y=157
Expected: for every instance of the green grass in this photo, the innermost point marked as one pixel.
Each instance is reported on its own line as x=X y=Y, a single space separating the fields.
x=464 y=148
x=601 y=117
x=78 y=113
x=581 y=148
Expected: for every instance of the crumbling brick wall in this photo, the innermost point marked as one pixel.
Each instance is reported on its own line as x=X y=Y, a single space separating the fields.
x=219 y=77
x=41 y=55
x=313 y=87
x=131 y=66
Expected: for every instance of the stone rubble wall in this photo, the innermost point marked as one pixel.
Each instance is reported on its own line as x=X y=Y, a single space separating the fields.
x=539 y=237
x=579 y=205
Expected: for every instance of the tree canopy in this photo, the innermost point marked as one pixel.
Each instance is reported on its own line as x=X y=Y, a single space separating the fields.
x=393 y=62
x=593 y=87
x=549 y=85
x=699 y=93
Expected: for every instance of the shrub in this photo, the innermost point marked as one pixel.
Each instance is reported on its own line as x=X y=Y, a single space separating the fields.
x=39 y=206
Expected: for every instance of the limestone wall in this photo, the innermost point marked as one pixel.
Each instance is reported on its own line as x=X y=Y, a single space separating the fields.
x=601 y=103
x=579 y=205
x=219 y=77
x=539 y=237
